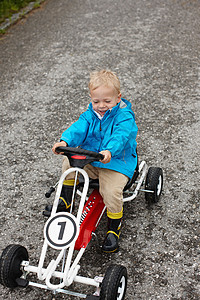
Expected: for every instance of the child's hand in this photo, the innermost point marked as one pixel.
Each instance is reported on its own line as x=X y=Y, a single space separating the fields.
x=107 y=156
x=60 y=144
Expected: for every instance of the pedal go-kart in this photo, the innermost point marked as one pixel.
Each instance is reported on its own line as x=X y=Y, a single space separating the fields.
x=67 y=235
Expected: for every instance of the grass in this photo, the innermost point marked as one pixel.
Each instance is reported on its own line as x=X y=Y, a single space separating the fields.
x=2 y=31
x=9 y=7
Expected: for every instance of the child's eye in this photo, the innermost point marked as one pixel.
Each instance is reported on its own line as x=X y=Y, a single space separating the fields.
x=107 y=101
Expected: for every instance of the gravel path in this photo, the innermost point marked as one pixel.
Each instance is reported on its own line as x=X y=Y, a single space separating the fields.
x=45 y=62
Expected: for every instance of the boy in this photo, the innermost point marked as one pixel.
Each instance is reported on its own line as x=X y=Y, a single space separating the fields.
x=108 y=126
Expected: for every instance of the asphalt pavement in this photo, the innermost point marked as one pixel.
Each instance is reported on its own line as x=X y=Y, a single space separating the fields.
x=45 y=61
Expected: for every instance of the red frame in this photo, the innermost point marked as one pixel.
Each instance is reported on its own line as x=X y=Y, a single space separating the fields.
x=91 y=215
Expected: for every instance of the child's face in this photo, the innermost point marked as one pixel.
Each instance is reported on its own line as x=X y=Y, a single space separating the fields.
x=104 y=98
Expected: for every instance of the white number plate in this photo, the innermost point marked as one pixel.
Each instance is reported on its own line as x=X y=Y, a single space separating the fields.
x=61 y=230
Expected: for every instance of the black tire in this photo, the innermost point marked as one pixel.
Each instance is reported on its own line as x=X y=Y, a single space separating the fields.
x=10 y=263
x=114 y=283
x=154 y=182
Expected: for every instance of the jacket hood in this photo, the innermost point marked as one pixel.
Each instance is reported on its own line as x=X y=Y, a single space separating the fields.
x=123 y=104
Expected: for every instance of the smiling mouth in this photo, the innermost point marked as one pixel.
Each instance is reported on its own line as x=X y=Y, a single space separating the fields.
x=102 y=111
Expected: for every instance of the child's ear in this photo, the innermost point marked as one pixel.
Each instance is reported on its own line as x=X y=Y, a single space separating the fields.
x=119 y=97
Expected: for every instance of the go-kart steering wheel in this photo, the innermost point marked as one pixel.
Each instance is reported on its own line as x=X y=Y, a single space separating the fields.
x=79 y=157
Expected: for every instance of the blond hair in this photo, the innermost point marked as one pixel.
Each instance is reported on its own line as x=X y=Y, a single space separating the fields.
x=104 y=77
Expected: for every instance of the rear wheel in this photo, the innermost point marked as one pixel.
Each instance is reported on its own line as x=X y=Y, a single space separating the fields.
x=154 y=183
x=10 y=264
x=114 y=283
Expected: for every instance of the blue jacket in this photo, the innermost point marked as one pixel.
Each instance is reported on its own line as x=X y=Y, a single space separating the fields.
x=116 y=132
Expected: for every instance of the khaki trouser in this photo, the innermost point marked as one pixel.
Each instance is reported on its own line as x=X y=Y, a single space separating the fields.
x=111 y=185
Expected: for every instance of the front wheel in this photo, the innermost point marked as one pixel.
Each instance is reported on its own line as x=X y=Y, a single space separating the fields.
x=154 y=183
x=114 y=283
x=10 y=264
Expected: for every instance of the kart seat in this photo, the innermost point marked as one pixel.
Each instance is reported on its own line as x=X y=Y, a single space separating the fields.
x=133 y=179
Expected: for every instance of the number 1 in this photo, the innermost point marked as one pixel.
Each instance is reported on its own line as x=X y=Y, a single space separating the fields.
x=62 y=229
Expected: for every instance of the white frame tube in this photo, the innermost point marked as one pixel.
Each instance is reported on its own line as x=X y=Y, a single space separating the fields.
x=69 y=272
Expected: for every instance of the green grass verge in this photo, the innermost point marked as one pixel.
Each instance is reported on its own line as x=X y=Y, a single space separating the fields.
x=9 y=7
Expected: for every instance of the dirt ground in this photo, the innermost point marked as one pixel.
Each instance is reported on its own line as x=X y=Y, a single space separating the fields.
x=45 y=62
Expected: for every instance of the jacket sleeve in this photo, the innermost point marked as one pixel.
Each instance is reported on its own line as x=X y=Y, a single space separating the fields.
x=124 y=131
x=76 y=133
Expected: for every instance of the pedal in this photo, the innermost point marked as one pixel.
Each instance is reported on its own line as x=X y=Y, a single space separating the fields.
x=22 y=282
x=46 y=213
